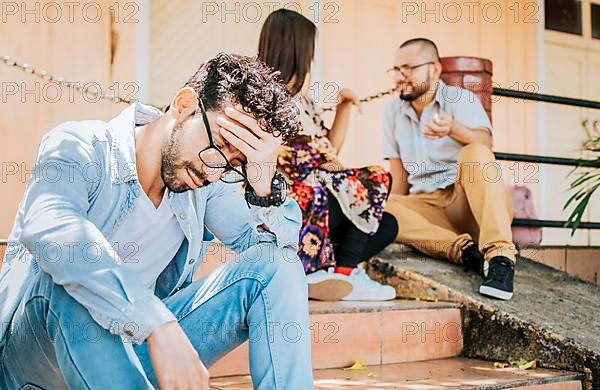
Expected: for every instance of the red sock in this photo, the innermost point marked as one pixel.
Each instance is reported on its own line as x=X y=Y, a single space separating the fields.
x=343 y=270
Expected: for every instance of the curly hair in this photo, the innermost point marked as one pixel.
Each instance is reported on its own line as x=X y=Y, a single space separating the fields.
x=230 y=78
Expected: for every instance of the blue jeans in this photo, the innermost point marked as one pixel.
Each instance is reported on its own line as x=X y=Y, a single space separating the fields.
x=260 y=295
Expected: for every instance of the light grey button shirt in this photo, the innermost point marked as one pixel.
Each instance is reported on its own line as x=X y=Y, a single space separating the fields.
x=431 y=164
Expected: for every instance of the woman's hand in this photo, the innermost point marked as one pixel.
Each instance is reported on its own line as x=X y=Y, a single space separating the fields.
x=347 y=96
x=332 y=166
x=243 y=132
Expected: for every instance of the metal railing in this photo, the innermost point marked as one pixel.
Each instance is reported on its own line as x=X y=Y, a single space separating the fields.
x=538 y=159
x=573 y=162
x=539 y=97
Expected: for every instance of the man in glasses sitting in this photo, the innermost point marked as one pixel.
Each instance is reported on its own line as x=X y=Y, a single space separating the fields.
x=96 y=289
x=446 y=194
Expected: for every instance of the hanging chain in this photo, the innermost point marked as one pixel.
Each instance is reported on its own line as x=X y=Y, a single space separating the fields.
x=61 y=82
x=311 y=110
x=93 y=90
x=366 y=99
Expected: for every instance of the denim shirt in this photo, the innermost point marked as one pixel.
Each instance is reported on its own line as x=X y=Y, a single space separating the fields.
x=83 y=185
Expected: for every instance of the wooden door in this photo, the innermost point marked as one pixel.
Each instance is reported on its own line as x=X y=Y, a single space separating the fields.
x=570 y=65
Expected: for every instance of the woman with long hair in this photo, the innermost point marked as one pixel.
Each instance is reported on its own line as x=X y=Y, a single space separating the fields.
x=343 y=218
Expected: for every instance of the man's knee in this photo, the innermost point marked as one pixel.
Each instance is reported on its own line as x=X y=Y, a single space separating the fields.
x=402 y=208
x=272 y=262
x=475 y=153
x=287 y=262
x=44 y=286
x=56 y=313
x=288 y=273
x=396 y=203
x=58 y=300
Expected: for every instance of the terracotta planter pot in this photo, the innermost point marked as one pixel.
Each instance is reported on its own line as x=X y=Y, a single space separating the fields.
x=472 y=73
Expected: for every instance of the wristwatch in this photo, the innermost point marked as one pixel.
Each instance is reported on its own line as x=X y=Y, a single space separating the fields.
x=276 y=198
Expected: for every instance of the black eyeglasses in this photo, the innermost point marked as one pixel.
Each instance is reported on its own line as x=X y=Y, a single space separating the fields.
x=405 y=70
x=214 y=158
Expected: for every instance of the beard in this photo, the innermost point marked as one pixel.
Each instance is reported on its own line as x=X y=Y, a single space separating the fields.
x=171 y=164
x=418 y=90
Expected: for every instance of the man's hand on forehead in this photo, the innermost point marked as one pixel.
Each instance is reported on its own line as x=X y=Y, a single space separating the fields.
x=238 y=112
x=244 y=133
x=242 y=129
x=243 y=119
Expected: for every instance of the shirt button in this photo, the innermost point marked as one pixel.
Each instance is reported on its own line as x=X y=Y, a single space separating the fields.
x=183 y=215
x=191 y=261
x=128 y=333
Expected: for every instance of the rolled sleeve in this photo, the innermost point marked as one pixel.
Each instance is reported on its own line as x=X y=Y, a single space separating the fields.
x=469 y=111
x=239 y=227
x=136 y=324
x=284 y=222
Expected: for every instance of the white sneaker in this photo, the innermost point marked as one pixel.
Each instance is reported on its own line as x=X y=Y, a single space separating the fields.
x=366 y=289
x=328 y=286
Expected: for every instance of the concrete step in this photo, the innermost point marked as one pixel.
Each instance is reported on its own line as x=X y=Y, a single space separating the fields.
x=376 y=333
x=450 y=373
x=552 y=317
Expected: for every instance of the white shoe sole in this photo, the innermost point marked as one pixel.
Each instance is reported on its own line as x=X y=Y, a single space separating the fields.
x=494 y=292
x=329 y=290
x=351 y=299
x=372 y=297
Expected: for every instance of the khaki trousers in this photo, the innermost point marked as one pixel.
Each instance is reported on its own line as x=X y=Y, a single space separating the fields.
x=478 y=206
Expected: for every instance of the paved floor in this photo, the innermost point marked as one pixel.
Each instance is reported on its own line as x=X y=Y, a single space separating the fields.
x=453 y=373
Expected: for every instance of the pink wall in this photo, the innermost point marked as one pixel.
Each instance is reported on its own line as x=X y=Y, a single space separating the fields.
x=74 y=45
x=357 y=39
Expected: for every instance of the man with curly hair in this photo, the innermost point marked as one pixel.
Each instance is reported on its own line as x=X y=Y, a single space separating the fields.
x=96 y=289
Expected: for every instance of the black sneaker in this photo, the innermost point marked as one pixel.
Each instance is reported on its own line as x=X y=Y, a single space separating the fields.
x=499 y=280
x=472 y=259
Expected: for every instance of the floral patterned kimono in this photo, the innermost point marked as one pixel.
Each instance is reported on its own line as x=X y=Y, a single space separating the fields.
x=307 y=160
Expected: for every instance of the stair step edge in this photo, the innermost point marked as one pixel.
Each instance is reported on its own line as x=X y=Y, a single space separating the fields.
x=524 y=383
x=318 y=307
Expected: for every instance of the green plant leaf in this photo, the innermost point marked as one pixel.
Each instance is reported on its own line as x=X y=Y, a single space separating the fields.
x=584 y=185
x=577 y=214
x=583 y=178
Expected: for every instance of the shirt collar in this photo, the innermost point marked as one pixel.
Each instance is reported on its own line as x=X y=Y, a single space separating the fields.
x=440 y=91
x=122 y=131
x=438 y=98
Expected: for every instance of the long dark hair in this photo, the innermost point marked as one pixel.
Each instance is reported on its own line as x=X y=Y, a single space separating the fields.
x=287 y=43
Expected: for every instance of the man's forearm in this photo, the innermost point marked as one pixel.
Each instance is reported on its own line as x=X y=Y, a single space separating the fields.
x=466 y=135
x=400 y=187
x=400 y=184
